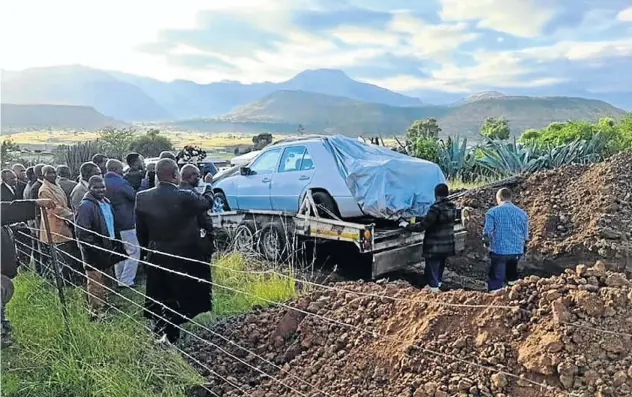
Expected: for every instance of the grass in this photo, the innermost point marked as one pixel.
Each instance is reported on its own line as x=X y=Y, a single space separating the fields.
x=260 y=287
x=458 y=184
x=116 y=357
x=113 y=358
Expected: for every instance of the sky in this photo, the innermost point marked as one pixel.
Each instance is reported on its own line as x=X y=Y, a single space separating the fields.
x=413 y=46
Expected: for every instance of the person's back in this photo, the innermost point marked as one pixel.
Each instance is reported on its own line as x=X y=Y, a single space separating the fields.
x=439 y=236
x=507 y=231
x=121 y=194
x=507 y=227
x=158 y=225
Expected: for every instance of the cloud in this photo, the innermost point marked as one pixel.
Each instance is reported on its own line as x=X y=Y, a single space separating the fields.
x=429 y=39
x=524 y=18
x=625 y=15
x=453 y=46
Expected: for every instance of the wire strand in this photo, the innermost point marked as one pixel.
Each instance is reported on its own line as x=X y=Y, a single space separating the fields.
x=110 y=306
x=301 y=280
x=373 y=334
x=196 y=336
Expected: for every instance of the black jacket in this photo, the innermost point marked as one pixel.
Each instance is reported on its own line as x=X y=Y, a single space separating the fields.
x=122 y=196
x=13 y=212
x=7 y=195
x=204 y=221
x=438 y=225
x=134 y=178
x=35 y=190
x=89 y=216
x=167 y=221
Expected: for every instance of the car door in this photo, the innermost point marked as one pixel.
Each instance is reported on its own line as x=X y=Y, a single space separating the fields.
x=253 y=190
x=294 y=174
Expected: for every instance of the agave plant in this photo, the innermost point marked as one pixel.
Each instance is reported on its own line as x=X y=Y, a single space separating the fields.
x=502 y=159
x=456 y=159
x=577 y=152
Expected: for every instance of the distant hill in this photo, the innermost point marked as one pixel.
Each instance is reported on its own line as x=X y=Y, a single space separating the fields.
x=135 y=98
x=284 y=110
x=19 y=117
x=82 y=86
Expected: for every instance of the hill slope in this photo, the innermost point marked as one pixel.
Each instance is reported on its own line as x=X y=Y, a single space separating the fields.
x=135 y=98
x=19 y=117
x=82 y=86
x=318 y=113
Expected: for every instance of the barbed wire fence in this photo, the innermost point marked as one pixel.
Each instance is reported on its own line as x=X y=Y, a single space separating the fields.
x=61 y=269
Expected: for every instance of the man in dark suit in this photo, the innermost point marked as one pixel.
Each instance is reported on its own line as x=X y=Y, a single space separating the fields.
x=167 y=221
x=20 y=173
x=34 y=192
x=9 y=185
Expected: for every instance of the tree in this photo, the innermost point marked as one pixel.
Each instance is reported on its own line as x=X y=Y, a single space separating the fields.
x=426 y=148
x=9 y=153
x=428 y=128
x=496 y=128
x=262 y=140
x=529 y=136
x=117 y=141
x=151 y=144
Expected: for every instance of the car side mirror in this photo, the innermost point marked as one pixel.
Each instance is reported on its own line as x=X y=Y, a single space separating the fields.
x=245 y=171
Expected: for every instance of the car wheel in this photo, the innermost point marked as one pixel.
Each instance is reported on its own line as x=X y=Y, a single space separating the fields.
x=273 y=243
x=326 y=204
x=220 y=203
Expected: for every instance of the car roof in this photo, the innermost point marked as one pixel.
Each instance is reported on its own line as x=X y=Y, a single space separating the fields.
x=290 y=140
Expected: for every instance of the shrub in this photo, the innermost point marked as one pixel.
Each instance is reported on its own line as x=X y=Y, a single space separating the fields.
x=496 y=128
x=151 y=144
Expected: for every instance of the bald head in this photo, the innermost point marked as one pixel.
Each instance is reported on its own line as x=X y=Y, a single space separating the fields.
x=191 y=174
x=63 y=171
x=38 y=171
x=20 y=172
x=167 y=171
x=50 y=173
x=114 y=165
x=9 y=178
x=167 y=155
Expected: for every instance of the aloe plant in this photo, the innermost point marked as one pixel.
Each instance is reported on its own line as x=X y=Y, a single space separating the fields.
x=456 y=159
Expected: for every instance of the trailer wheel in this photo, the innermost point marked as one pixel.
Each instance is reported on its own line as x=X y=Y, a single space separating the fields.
x=245 y=238
x=323 y=199
x=273 y=242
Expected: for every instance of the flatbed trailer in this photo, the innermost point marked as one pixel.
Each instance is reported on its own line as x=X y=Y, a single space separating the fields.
x=276 y=235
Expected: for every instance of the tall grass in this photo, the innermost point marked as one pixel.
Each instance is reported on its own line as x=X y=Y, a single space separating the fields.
x=260 y=287
x=113 y=358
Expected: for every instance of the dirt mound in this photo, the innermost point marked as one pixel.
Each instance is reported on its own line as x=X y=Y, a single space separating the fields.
x=577 y=213
x=542 y=337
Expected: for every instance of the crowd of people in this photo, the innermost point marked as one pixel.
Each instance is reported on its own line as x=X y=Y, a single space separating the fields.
x=107 y=220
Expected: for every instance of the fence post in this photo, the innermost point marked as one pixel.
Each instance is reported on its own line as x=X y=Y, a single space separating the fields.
x=53 y=253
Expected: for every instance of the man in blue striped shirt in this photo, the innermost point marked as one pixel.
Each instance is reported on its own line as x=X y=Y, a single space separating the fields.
x=507 y=231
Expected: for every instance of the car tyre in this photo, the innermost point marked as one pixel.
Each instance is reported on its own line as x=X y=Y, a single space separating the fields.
x=323 y=199
x=220 y=203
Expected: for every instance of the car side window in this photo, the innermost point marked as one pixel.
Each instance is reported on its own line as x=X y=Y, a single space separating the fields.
x=266 y=162
x=291 y=159
x=307 y=163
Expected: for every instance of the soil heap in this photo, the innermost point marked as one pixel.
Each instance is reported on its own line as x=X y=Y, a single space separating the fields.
x=577 y=213
x=571 y=333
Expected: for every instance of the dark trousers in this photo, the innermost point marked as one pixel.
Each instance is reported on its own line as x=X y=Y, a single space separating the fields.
x=433 y=272
x=503 y=268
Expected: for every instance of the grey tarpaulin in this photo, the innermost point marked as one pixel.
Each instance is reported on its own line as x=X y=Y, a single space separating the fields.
x=385 y=183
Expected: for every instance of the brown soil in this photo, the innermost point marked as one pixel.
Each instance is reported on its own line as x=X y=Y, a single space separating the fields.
x=415 y=347
x=577 y=213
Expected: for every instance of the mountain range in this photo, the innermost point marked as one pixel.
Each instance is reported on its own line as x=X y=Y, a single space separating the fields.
x=320 y=100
